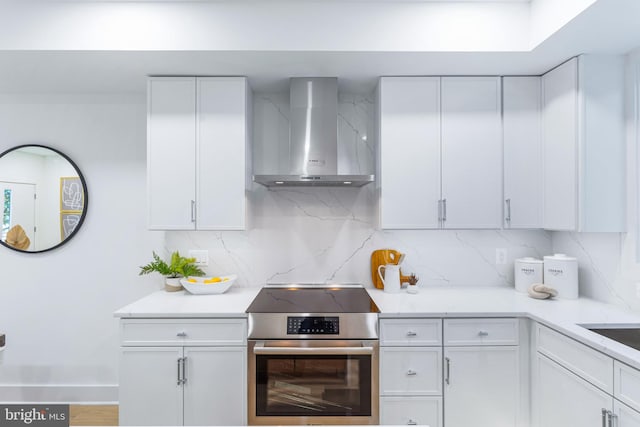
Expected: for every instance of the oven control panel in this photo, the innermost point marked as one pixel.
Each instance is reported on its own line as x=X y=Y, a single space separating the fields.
x=313 y=325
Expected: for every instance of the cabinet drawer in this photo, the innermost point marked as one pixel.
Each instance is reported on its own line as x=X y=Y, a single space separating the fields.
x=626 y=382
x=410 y=332
x=460 y=332
x=159 y=332
x=411 y=371
x=411 y=410
x=593 y=366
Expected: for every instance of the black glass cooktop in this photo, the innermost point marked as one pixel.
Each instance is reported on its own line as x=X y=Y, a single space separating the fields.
x=312 y=299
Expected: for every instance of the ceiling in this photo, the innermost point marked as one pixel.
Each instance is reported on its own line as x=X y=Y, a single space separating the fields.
x=608 y=26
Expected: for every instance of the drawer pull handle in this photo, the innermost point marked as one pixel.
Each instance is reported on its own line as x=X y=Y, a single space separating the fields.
x=483 y=334
x=181 y=334
x=412 y=334
x=411 y=372
x=412 y=423
x=447 y=378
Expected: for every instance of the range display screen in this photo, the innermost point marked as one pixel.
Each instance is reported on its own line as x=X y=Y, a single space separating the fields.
x=313 y=325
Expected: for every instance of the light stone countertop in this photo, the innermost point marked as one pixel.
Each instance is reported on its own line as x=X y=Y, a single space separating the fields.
x=562 y=315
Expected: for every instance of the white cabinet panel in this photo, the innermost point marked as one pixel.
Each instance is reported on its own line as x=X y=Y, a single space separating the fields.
x=625 y=416
x=222 y=144
x=410 y=151
x=215 y=387
x=411 y=410
x=586 y=362
x=626 y=382
x=410 y=332
x=482 y=386
x=471 y=152
x=522 y=133
x=181 y=332
x=563 y=399
x=171 y=150
x=462 y=332
x=149 y=391
x=411 y=371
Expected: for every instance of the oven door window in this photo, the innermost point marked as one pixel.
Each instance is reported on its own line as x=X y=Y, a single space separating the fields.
x=324 y=385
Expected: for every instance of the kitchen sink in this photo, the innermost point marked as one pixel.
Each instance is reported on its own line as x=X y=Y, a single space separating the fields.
x=627 y=334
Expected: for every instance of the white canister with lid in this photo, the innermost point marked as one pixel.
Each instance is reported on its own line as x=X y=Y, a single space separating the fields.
x=527 y=272
x=561 y=273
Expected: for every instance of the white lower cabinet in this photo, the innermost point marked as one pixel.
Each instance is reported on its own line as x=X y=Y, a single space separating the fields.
x=625 y=416
x=183 y=383
x=564 y=399
x=481 y=386
x=411 y=410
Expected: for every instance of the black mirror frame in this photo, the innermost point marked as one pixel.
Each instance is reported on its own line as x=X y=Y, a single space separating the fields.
x=85 y=195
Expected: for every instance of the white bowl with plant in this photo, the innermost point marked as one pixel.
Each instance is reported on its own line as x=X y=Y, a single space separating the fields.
x=177 y=268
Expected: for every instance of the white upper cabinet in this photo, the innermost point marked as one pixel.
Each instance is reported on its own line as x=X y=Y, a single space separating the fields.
x=171 y=152
x=221 y=152
x=522 y=135
x=471 y=152
x=410 y=151
x=197 y=136
x=440 y=143
x=584 y=145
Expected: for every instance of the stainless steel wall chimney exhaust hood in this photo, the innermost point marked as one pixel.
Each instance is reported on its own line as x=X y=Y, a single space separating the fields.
x=313 y=133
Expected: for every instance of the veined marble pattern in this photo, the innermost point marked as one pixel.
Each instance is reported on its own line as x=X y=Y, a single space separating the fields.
x=328 y=234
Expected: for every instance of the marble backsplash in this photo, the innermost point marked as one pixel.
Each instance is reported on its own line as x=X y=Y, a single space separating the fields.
x=328 y=234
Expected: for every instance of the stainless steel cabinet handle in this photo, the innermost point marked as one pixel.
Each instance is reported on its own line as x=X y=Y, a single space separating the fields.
x=193 y=211
x=444 y=210
x=179 y=371
x=508 y=215
x=613 y=419
x=184 y=370
x=483 y=333
x=439 y=211
x=448 y=371
x=411 y=373
x=604 y=417
x=181 y=334
x=411 y=334
x=412 y=423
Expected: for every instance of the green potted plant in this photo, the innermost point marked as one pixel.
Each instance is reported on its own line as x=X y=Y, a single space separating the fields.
x=173 y=271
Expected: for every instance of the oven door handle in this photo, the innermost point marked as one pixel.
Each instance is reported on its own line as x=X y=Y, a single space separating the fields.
x=260 y=348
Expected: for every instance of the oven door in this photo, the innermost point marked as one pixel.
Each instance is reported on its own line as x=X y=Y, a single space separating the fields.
x=313 y=382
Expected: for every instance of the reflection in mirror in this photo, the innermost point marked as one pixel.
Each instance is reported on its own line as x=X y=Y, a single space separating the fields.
x=44 y=198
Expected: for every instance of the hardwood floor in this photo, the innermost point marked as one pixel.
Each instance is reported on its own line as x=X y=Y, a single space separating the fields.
x=93 y=415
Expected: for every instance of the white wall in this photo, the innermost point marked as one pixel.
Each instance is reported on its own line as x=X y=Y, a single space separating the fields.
x=548 y=16
x=57 y=307
x=279 y=25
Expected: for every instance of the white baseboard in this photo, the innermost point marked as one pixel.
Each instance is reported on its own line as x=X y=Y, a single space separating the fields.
x=76 y=394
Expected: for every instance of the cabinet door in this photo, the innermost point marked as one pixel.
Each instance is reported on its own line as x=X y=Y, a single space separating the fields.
x=563 y=399
x=560 y=146
x=625 y=416
x=411 y=410
x=411 y=370
x=522 y=152
x=215 y=391
x=149 y=392
x=482 y=386
x=410 y=152
x=171 y=149
x=471 y=152
x=222 y=144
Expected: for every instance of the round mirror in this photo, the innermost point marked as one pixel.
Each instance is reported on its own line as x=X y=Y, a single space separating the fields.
x=44 y=198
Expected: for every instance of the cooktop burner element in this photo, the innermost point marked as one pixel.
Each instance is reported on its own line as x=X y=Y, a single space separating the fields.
x=309 y=298
x=310 y=311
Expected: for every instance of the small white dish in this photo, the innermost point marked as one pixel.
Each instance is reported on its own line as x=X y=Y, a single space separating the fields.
x=206 y=285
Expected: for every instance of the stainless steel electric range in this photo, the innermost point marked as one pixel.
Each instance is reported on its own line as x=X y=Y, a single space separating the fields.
x=313 y=355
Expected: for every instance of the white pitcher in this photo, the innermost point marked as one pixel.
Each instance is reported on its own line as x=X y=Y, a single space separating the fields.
x=391 y=279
